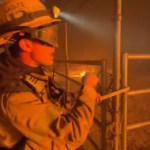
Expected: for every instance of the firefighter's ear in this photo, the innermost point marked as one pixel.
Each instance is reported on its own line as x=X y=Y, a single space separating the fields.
x=25 y=45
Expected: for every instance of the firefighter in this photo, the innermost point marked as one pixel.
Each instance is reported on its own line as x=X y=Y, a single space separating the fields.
x=33 y=113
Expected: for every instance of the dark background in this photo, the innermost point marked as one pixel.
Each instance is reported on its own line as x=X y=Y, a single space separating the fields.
x=94 y=37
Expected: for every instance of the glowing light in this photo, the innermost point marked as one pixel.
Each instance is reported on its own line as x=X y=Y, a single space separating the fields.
x=56 y=11
x=71 y=18
x=86 y=23
x=78 y=75
x=82 y=73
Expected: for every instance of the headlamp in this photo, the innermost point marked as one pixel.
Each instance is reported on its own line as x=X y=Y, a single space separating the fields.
x=56 y=12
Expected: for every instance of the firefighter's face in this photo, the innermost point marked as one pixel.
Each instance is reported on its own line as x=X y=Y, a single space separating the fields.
x=40 y=49
x=36 y=53
x=42 y=54
x=44 y=45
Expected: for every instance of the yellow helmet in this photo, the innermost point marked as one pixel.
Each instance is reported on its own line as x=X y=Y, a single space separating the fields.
x=17 y=15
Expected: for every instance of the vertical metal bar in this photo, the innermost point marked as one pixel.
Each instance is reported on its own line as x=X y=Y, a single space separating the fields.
x=67 y=55
x=116 y=71
x=124 y=83
x=103 y=67
x=103 y=116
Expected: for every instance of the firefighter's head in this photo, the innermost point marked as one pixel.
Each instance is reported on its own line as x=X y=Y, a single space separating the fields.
x=23 y=22
x=29 y=17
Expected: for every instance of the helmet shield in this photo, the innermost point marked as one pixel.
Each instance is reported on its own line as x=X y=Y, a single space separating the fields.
x=46 y=34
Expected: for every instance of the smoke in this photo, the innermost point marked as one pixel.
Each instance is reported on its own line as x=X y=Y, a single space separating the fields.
x=1 y=1
x=90 y=25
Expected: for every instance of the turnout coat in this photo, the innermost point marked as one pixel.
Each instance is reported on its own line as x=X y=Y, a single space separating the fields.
x=32 y=110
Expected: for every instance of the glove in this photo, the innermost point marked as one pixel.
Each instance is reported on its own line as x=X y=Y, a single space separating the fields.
x=90 y=79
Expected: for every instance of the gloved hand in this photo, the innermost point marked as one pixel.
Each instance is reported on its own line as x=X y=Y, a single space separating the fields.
x=91 y=80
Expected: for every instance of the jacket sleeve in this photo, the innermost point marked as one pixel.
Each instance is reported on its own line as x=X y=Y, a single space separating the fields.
x=36 y=120
x=74 y=127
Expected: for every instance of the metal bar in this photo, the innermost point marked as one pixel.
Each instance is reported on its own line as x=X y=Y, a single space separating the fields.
x=116 y=72
x=138 y=125
x=68 y=78
x=67 y=55
x=141 y=91
x=124 y=83
x=104 y=97
x=139 y=56
x=103 y=110
x=85 y=62
x=103 y=67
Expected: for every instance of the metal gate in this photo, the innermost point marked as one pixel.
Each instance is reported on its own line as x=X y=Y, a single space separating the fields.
x=124 y=73
x=119 y=134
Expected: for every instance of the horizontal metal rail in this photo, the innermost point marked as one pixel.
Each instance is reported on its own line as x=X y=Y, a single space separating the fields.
x=58 y=73
x=104 y=97
x=110 y=95
x=141 y=91
x=138 y=56
x=137 y=125
x=85 y=62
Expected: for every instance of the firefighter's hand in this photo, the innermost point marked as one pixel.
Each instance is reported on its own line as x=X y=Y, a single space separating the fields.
x=90 y=79
x=98 y=97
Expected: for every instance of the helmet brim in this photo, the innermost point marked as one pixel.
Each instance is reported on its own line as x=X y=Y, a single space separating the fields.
x=43 y=20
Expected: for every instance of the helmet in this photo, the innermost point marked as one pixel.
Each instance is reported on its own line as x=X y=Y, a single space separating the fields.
x=26 y=16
